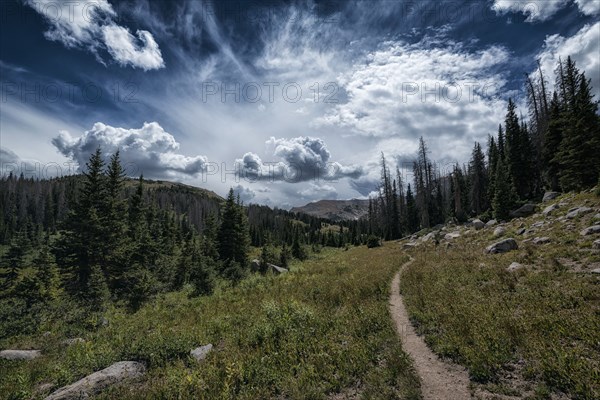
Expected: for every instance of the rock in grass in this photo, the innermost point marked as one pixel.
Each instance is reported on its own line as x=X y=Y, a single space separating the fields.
x=20 y=354
x=452 y=235
x=592 y=230
x=100 y=380
x=514 y=267
x=201 y=352
x=521 y=231
x=503 y=246
x=548 y=196
x=524 y=211
x=596 y=244
x=595 y=271
x=541 y=240
x=577 y=211
x=491 y=222
x=548 y=210
x=70 y=342
x=499 y=231
x=477 y=224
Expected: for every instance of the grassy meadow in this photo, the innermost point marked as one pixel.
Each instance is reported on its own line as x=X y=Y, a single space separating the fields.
x=534 y=333
x=322 y=331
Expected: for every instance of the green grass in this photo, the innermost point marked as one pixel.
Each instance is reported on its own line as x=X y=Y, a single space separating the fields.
x=322 y=329
x=544 y=319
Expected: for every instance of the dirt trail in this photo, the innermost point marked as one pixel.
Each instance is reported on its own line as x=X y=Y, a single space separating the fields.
x=439 y=380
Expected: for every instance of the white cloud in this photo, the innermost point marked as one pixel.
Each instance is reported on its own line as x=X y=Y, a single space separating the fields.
x=245 y=194
x=303 y=159
x=322 y=192
x=583 y=47
x=446 y=94
x=90 y=24
x=148 y=150
x=543 y=10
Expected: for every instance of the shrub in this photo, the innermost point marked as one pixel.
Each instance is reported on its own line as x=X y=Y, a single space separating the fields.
x=373 y=241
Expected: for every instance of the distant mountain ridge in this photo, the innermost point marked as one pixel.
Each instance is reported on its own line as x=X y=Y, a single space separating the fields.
x=336 y=210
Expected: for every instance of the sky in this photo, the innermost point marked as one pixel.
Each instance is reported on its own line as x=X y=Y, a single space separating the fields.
x=287 y=102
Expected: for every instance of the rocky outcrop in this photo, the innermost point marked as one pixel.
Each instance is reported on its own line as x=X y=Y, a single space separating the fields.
x=578 y=211
x=524 y=211
x=100 y=380
x=548 y=196
x=20 y=354
x=200 y=353
x=592 y=230
x=503 y=246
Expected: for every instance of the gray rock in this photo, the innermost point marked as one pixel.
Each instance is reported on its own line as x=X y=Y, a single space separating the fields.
x=595 y=271
x=100 y=380
x=277 y=269
x=541 y=240
x=477 y=224
x=47 y=334
x=503 y=246
x=524 y=211
x=596 y=244
x=428 y=237
x=514 y=267
x=452 y=235
x=521 y=231
x=577 y=211
x=20 y=354
x=255 y=265
x=548 y=196
x=592 y=230
x=597 y=216
x=201 y=352
x=410 y=245
x=538 y=224
x=548 y=210
x=499 y=231
x=491 y=222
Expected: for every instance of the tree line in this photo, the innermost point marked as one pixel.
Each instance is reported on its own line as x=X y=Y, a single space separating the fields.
x=556 y=149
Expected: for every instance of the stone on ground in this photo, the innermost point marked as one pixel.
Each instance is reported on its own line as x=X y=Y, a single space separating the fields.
x=200 y=353
x=503 y=246
x=20 y=354
x=592 y=230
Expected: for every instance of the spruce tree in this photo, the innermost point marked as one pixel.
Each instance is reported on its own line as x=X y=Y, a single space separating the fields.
x=552 y=145
x=412 y=212
x=503 y=198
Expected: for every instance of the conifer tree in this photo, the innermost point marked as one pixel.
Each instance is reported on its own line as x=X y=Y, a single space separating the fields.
x=552 y=145
x=412 y=214
x=503 y=198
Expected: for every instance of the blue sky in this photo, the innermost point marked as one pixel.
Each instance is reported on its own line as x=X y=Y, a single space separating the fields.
x=288 y=102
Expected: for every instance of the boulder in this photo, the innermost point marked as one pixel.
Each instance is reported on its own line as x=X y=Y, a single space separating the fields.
x=491 y=222
x=277 y=269
x=595 y=271
x=428 y=237
x=100 y=380
x=514 y=267
x=499 y=231
x=541 y=240
x=521 y=231
x=410 y=245
x=577 y=211
x=548 y=196
x=503 y=246
x=592 y=230
x=538 y=224
x=452 y=235
x=548 y=210
x=597 y=216
x=477 y=224
x=200 y=353
x=524 y=211
x=20 y=354
x=596 y=244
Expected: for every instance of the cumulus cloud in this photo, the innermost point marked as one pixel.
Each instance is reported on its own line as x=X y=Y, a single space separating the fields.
x=149 y=150
x=543 y=10
x=302 y=159
x=90 y=24
x=583 y=47
x=320 y=191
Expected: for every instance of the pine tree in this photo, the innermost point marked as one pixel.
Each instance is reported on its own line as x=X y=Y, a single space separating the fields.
x=479 y=180
x=234 y=235
x=411 y=211
x=502 y=201
x=552 y=145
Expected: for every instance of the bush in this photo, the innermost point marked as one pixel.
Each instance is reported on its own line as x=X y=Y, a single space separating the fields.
x=373 y=241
